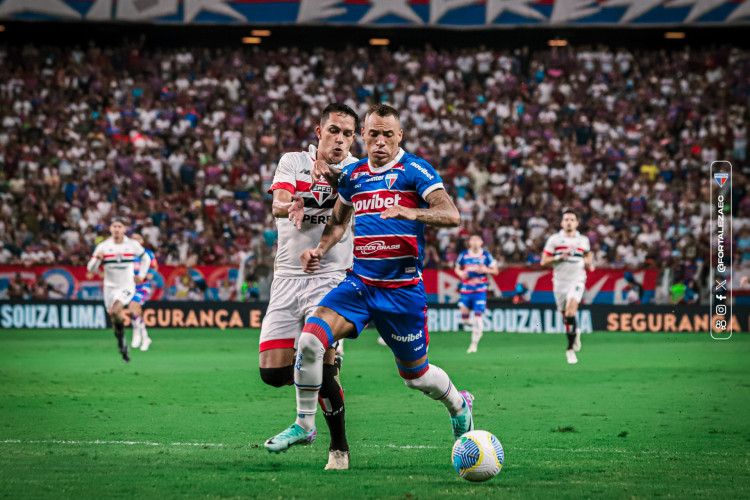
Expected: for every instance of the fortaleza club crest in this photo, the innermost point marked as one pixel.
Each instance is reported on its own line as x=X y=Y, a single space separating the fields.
x=321 y=192
x=390 y=179
x=721 y=178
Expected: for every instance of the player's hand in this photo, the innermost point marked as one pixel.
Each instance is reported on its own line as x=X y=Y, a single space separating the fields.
x=399 y=212
x=310 y=260
x=592 y=268
x=297 y=211
x=99 y=255
x=321 y=169
x=139 y=280
x=563 y=256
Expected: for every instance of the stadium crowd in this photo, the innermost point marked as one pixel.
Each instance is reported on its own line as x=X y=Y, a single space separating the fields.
x=184 y=142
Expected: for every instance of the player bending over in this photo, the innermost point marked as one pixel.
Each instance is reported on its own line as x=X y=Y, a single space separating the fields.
x=117 y=253
x=392 y=195
x=302 y=208
x=569 y=252
x=472 y=267
x=142 y=294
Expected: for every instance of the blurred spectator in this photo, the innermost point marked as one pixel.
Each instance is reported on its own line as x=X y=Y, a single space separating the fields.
x=185 y=143
x=18 y=289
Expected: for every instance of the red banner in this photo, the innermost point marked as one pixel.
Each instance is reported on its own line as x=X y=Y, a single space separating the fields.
x=603 y=286
x=168 y=283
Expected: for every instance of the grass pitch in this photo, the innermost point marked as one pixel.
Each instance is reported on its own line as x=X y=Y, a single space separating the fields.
x=640 y=415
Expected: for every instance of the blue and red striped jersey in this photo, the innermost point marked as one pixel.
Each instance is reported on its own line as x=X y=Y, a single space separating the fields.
x=388 y=253
x=475 y=281
x=137 y=267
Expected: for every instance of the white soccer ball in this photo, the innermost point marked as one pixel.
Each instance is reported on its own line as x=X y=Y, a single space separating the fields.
x=478 y=456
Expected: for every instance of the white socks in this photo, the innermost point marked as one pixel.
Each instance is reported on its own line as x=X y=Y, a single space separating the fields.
x=477 y=328
x=308 y=377
x=437 y=385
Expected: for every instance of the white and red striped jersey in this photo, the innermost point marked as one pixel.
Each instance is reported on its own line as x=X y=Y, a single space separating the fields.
x=293 y=175
x=119 y=261
x=573 y=268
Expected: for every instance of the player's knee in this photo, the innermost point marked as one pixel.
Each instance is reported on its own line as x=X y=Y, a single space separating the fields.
x=278 y=377
x=310 y=346
x=414 y=377
x=318 y=329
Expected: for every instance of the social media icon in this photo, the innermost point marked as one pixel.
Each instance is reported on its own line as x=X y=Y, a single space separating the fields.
x=721 y=309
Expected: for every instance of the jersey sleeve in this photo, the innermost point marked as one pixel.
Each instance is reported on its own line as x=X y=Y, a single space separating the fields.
x=138 y=249
x=549 y=246
x=346 y=184
x=489 y=259
x=284 y=177
x=426 y=179
x=460 y=259
x=586 y=244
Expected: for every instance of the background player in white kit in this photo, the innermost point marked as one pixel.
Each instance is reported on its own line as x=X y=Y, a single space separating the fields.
x=570 y=253
x=117 y=254
x=302 y=206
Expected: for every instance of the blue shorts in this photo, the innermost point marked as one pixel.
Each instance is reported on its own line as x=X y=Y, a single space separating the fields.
x=474 y=302
x=142 y=294
x=399 y=314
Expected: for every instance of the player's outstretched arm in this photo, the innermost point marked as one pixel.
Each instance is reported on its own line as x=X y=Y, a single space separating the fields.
x=334 y=230
x=442 y=211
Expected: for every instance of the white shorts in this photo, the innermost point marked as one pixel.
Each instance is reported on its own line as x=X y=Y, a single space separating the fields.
x=114 y=294
x=293 y=300
x=571 y=291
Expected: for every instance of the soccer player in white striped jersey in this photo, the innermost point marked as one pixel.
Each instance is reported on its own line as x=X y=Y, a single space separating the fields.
x=569 y=252
x=117 y=254
x=304 y=193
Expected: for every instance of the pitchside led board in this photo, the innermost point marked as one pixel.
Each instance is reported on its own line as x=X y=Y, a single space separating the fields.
x=84 y=314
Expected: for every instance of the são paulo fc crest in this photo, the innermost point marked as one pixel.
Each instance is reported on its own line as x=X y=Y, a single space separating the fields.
x=321 y=191
x=390 y=179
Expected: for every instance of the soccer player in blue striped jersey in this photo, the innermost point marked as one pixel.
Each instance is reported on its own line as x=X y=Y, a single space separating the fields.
x=472 y=267
x=392 y=195
x=142 y=294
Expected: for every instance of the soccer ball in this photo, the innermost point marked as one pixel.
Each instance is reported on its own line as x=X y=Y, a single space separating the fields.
x=478 y=456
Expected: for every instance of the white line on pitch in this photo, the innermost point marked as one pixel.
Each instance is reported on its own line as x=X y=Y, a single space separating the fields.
x=149 y=443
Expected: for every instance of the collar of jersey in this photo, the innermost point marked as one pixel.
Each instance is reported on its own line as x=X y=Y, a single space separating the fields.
x=388 y=165
x=562 y=232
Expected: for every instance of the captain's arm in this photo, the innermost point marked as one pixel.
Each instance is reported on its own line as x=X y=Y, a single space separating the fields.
x=441 y=213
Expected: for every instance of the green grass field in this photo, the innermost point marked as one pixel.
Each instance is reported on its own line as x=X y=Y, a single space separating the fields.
x=641 y=415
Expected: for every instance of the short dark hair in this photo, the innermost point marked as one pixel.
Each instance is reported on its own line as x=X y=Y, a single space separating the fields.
x=119 y=219
x=383 y=110
x=570 y=211
x=337 y=107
